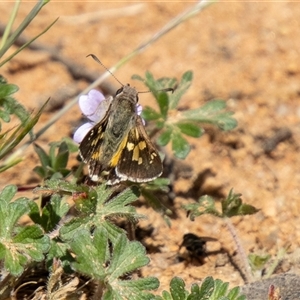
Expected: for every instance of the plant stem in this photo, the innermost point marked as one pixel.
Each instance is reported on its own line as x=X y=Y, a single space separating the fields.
x=240 y=250
x=10 y=23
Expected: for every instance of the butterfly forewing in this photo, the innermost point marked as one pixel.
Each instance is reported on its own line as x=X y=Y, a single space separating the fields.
x=91 y=143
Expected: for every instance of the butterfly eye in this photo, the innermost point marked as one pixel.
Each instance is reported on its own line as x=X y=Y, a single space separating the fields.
x=119 y=91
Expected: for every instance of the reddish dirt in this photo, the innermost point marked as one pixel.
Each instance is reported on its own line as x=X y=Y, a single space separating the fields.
x=245 y=53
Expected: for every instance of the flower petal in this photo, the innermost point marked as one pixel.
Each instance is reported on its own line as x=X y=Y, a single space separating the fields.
x=89 y=104
x=81 y=132
x=139 y=109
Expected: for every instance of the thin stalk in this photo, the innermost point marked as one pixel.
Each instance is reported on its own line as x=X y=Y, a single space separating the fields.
x=26 y=44
x=10 y=23
x=23 y=25
x=277 y=261
x=240 y=250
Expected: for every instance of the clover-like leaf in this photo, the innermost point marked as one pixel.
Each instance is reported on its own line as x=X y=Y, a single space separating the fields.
x=177 y=289
x=31 y=242
x=53 y=164
x=221 y=292
x=180 y=145
x=190 y=129
x=209 y=289
x=165 y=137
x=92 y=255
x=205 y=205
x=43 y=156
x=163 y=102
x=150 y=114
x=258 y=262
x=233 y=206
x=18 y=245
x=52 y=213
x=60 y=160
x=11 y=212
x=212 y=112
x=7 y=89
x=181 y=89
x=106 y=208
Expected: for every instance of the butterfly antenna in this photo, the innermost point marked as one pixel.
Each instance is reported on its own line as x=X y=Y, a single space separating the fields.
x=162 y=90
x=95 y=58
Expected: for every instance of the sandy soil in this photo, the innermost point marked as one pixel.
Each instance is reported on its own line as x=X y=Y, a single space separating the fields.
x=246 y=53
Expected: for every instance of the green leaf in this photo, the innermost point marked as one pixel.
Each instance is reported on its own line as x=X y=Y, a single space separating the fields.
x=18 y=246
x=4 y=116
x=72 y=146
x=7 y=89
x=106 y=208
x=90 y=254
x=235 y=294
x=31 y=242
x=137 y=77
x=71 y=228
x=207 y=288
x=258 y=262
x=54 y=164
x=11 y=107
x=166 y=82
x=165 y=296
x=126 y=257
x=165 y=137
x=220 y=290
x=233 y=206
x=155 y=202
x=156 y=87
x=8 y=143
x=59 y=250
x=43 y=156
x=210 y=289
x=52 y=213
x=7 y=194
x=205 y=205
x=158 y=184
x=10 y=213
x=62 y=157
x=151 y=82
x=182 y=87
x=211 y=113
x=190 y=129
x=180 y=145
x=177 y=289
x=163 y=102
x=150 y=114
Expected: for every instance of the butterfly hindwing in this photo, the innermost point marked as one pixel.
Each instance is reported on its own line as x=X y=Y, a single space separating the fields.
x=139 y=160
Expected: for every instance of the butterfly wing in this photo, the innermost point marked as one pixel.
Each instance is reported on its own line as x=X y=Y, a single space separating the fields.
x=139 y=160
x=90 y=148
